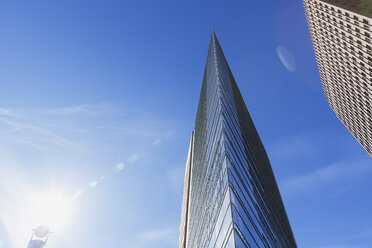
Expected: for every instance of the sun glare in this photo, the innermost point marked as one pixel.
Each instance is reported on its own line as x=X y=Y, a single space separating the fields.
x=52 y=209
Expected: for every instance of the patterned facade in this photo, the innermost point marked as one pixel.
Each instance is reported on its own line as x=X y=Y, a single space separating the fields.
x=341 y=31
x=233 y=198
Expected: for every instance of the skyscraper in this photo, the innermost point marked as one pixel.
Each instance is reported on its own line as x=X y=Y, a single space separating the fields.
x=231 y=198
x=341 y=31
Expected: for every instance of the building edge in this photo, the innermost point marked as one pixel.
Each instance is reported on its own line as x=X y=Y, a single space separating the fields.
x=186 y=196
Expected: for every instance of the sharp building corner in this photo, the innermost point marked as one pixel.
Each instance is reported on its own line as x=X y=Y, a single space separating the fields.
x=231 y=198
x=186 y=198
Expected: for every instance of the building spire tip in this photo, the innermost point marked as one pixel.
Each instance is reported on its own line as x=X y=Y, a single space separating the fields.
x=213 y=34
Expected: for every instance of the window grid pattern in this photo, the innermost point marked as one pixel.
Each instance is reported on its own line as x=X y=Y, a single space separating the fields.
x=343 y=46
x=234 y=198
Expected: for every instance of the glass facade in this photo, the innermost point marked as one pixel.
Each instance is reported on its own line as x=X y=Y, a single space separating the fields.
x=233 y=198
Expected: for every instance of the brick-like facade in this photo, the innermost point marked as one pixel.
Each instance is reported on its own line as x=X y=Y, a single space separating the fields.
x=341 y=31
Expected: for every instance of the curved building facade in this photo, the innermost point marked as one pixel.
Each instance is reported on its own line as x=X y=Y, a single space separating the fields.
x=341 y=31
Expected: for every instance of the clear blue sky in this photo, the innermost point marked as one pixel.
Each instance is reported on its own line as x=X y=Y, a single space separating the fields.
x=98 y=100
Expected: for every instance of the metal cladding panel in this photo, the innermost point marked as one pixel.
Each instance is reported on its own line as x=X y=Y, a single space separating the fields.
x=234 y=198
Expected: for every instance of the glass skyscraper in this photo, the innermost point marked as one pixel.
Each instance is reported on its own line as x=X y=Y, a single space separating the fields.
x=231 y=198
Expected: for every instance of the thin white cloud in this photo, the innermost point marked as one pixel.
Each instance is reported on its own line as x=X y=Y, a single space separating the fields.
x=43 y=129
x=337 y=172
x=36 y=133
x=11 y=124
x=96 y=109
x=104 y=108
x=68 y=111
x=8 y=112
x=167 y=236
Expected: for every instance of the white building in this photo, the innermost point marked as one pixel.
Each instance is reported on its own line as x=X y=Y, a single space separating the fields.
x=341 y=31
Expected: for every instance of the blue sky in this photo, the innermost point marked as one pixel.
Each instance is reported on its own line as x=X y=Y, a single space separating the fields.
x=98 y=100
